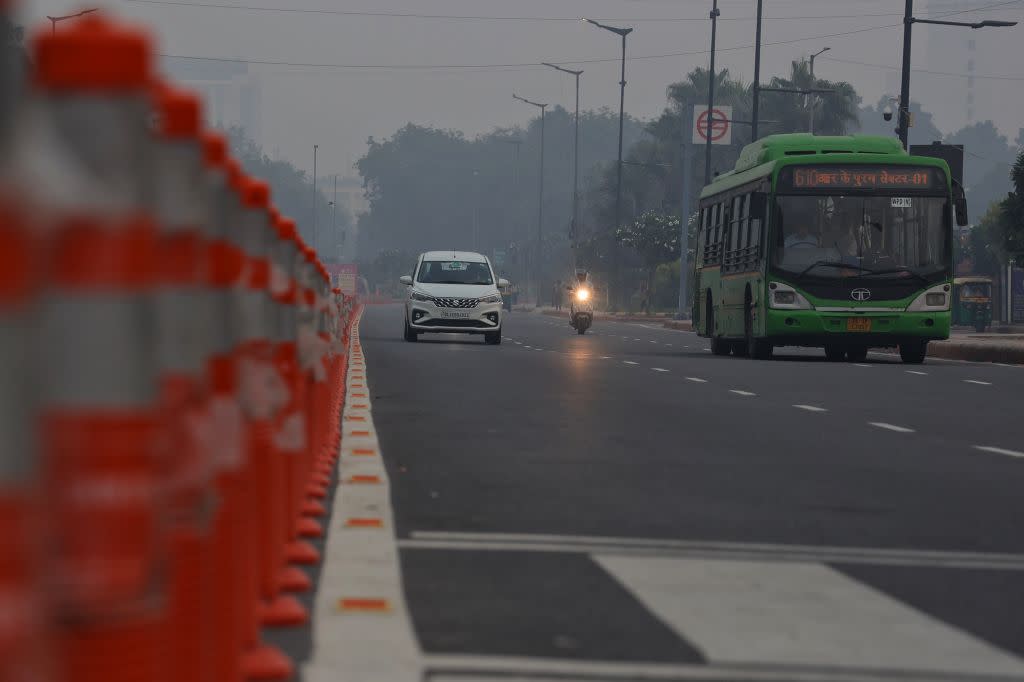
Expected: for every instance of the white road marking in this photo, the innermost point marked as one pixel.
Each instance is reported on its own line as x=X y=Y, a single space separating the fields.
x=628 y=362
x=668 y=344
x=653 y=342
x=596 y=544
x=979 y=383
x=659 y=369
x=860 y=364
x=518 y=343
x=914 y=371
x=765 y=613
x=999 y=451
x=538 y=349
x=891 y=427
x=743 y=393
x=697 y=380
x=606 y=357
x=638 y=339
x=811 y=408
x=530 y=347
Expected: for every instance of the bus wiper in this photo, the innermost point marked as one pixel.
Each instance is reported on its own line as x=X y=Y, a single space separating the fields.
x=893 y=271
x=830 y=264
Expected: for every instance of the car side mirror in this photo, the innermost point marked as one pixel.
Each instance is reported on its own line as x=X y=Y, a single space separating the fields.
x=758 y=206
x=960 y=204
x=503 y=283
x=406 y=280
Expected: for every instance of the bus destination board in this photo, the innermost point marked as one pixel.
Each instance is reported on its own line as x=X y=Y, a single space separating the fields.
x=860 y=178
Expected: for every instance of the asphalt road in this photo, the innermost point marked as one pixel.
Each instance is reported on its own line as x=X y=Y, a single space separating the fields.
x=624 y=505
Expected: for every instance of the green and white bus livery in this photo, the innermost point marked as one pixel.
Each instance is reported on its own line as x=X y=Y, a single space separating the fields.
x=841 y=243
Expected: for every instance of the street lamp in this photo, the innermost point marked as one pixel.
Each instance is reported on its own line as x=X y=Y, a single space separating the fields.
x=540 y=195
x=903 y=128
x=814 y=83
x=621 y=32
x=54 y=20
x=575 y=163
x=711 y=94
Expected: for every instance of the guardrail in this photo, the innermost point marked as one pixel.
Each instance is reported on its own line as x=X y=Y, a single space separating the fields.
x=172 y=360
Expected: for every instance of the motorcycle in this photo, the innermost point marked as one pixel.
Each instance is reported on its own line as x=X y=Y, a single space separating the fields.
x=581 y=309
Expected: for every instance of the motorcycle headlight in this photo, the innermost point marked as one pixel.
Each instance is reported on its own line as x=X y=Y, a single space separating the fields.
x=582 y=295
x=419 y=296
x=493 y=298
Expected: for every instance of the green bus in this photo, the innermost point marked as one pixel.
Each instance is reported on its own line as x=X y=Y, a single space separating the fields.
x=841 y=243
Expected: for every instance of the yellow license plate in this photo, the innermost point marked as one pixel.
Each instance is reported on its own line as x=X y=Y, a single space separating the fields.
x=858 y=324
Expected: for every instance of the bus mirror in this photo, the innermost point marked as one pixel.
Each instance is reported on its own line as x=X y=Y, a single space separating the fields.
x=960 y=204
x=758 y=206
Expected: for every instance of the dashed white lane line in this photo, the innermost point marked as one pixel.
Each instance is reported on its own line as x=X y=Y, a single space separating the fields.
x=653 y=342
x=811 y=408
x=606 y=357
x=518 y=343
x=891 y=427
x=747 y=394
x=913 y=371
x=530 y=347
x=860 y=364
x=659 y=369
x=628 y=362
x=979 y=383
x=999 y=451
x=638 y=339
x=697 y=380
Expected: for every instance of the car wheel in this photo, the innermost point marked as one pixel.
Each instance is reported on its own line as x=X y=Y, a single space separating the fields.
x=913 y=352
x=493 y=338
x=408 y=333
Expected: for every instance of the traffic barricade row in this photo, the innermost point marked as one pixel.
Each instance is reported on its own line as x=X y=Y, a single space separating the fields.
x=172 y=360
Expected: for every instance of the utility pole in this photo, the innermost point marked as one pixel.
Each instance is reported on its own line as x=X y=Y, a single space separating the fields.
x=316 y=232
x=711 y=94
x=756 y=88
x=814 y=83
x=686 y=167
x=574 y=231
x=540 y=198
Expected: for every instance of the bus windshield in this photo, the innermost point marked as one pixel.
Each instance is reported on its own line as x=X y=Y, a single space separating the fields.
x=884 y=234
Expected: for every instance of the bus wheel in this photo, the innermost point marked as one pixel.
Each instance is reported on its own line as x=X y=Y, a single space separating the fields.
x=720 y=346
x=857 y=353
x=913 y=352
x=757 y=349
x=834 y=353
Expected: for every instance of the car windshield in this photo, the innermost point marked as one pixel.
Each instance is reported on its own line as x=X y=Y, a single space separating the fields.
x=883 y=234
x=454 y=272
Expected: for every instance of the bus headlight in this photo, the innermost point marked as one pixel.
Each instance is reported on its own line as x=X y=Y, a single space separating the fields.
x=784 y=297
x=932 y=300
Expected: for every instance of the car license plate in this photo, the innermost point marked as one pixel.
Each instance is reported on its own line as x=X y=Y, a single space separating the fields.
x=858 y=324
x=455 y=315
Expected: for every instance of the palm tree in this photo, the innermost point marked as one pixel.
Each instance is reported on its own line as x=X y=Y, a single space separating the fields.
x=834 y=111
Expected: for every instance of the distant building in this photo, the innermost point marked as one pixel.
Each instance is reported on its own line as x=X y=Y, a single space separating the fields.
x=961 y=100
x=233 y=96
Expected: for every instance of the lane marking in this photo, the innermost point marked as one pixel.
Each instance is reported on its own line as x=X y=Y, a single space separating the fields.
x=999 y=451
x=697 y=380
x=811 y=408
x=638 y=339
x=606 y=357
x=979 y=383
x=659 y=369
x=860 y=364
x=743 y=393
x=764 y=614
x=652 y=342
x=891 y=427
x=628 y=362
x=596 y=544
x=914 y=371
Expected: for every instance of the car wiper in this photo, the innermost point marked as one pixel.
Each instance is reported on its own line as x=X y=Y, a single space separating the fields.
x=893 y=271
x=830 y=264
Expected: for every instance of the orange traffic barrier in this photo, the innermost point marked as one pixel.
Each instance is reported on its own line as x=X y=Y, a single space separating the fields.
x=98 y=418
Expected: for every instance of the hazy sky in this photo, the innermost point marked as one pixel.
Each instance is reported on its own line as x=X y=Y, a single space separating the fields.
x=338 y=108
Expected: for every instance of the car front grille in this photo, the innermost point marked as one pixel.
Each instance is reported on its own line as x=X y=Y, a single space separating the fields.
x=462 y=324
x=455 y=302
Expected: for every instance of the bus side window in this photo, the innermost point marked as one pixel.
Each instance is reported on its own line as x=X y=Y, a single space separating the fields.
x=755 y=237
x=744 y=230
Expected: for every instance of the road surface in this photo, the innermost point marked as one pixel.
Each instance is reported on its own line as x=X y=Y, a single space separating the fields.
x=624 y=505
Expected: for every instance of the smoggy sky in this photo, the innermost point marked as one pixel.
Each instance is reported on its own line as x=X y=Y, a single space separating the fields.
x=338 y=108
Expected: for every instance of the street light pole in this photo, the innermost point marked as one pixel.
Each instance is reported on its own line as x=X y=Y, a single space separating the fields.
x=622 y=32
x=814 y=83
x=711 y=94
x=55 y=20
x=575 y=163
x=540 y=197
x=903 y=126
x=756 y=108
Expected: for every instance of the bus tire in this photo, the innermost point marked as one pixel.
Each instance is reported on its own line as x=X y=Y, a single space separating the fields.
x=835 y=353
x=719 y=346
x=857 y=353
x=757 y=349
x=913 y=352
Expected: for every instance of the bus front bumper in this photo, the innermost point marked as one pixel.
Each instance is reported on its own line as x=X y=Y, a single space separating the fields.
x=819 y=328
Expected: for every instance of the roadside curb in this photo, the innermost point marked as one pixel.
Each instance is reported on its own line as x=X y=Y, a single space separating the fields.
x=681 y=325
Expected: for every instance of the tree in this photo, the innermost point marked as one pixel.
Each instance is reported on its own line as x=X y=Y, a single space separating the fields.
x=987 y=158
x=834 y=112
x=999 y=237
x=872 y=122
x=655 y=239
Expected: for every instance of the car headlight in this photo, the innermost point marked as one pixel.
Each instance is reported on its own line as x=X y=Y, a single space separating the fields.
x=933 y=300
x=493 y=298
x=418 y=296
x=785 y=297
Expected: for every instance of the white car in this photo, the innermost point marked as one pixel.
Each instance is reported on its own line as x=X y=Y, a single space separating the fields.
x=453 y=292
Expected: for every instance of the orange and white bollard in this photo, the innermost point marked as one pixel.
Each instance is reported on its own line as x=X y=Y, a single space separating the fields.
x=85 y=143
